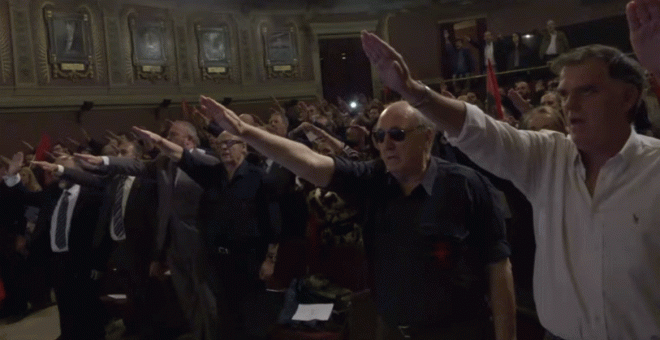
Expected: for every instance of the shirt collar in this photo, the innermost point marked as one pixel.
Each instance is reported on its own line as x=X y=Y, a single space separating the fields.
x=74 y=190
x=242 y=169
x=630 y=148
x=427 y=181
x=626 y=154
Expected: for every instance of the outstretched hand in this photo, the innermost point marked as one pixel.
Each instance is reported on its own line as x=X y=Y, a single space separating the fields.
x=390 y=64
x=170 y=149
x=223 y=116
x=88 y=162
x=519 y=102
x=46 y=166
x=15 y=164
x=644 y=24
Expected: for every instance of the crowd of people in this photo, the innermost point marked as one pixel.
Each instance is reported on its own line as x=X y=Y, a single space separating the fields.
x=229 y=210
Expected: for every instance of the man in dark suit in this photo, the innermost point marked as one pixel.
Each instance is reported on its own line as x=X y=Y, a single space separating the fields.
x=490 y=49
x=177 y=236
x=67 y=216
x=126 y=226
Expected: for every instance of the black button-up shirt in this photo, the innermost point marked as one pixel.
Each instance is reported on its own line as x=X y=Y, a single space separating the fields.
x=234 y=213
x=429 y=251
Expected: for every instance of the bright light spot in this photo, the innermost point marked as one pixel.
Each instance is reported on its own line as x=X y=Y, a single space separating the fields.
x=353 y=105
x=527 y=36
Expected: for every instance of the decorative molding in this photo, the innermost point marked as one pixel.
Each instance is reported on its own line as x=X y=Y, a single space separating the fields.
x=115 y=51
x=246 y=55
x=5 y=45
x=23 y=57
x=182 y=55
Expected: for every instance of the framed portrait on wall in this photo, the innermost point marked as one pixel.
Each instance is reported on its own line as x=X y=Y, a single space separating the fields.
x=70 y=38
x=281 y=52
x=214 y=49
x=148 y=43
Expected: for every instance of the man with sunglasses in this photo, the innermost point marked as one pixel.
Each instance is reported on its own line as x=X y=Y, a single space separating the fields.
x=594 y=193
x=434 y=237
x=239 y=220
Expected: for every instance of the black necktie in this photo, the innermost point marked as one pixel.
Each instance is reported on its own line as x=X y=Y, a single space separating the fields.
x=117 y=216
x=60 y=231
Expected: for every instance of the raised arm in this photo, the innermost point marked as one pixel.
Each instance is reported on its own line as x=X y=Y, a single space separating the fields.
x=644 y=23
x=298 y=158
x=126 y=166
x=77 y=176
x=448 y=114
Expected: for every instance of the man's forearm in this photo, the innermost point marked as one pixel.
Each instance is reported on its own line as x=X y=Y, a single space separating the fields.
x=448 y=114
x=503 y=302
x=294 y=156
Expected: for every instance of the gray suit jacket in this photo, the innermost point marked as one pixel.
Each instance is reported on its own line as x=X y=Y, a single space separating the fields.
x=178 y=197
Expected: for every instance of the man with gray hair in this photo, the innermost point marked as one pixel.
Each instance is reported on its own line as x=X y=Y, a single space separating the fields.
x=594 y=192
x=434 y=236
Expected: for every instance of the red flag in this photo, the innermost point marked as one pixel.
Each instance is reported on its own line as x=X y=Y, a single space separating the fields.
x=43 y=147
x=494 y=90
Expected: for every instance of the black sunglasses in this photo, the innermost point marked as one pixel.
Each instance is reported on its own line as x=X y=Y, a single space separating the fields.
x=396 y=135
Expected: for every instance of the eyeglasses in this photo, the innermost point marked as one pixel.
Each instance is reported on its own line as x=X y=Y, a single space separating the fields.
x=229 y=143
x=395 y=134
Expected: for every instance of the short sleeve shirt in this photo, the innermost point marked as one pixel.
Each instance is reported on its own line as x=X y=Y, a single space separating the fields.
x=429 y=251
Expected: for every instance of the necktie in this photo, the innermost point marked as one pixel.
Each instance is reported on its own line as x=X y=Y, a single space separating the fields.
x=60 y=231
x=117 y=216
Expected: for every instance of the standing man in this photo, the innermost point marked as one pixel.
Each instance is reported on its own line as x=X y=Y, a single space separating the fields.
x=67 y=216
x=594 y=193
x=126 y=225
x=240 y=220
x=436 y=242
x=178 y=236
x=491 y=50
x=553 y=43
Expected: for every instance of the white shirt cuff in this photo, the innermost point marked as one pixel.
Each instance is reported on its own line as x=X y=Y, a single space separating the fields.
x=59 y=171
x=12 y=180
x=106 y=160
x=472 y=116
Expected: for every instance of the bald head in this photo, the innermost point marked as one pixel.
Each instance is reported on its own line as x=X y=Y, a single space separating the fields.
x=404 y=138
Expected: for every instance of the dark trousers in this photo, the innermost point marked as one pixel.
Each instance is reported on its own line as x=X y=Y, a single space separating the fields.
x=77 y=299
x=467 y=330
x=14 y=276
x=236 y=284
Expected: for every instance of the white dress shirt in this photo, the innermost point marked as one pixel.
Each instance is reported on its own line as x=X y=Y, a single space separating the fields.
x=489 y=53
x=74 y=192
x=552 y=47
x=597 y=263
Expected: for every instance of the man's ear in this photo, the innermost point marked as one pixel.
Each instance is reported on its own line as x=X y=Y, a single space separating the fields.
x=430 y=138
x=632 y=97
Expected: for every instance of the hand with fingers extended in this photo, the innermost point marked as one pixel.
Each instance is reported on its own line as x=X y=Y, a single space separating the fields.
x=87 y=161
x=518 y=101
x=644 y=23
x=15 y=164
x=170 y=149
x=223 y=116
x=391 y=67
x=28 y=145
x=46 y=166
